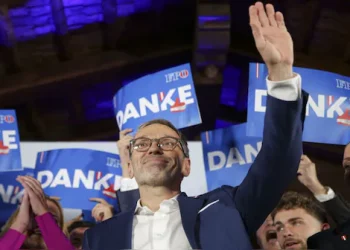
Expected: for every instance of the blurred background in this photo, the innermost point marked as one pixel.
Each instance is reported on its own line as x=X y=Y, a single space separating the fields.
x=63 y=60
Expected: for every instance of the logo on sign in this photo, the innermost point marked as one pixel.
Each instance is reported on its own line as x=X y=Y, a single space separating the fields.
x=175 y=76
x=92 y=180
x=217 y=159
x=10 y=194
x=322 y=106
x=157 y=103
x=7 y=118
x=341 y=84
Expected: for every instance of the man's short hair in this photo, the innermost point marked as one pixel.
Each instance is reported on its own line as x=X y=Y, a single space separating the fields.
x=294 y=200
x=78 y=224
x=164 y=122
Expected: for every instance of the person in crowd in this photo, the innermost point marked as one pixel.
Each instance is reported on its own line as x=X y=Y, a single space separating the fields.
x=165 y=218
x=297 y=217
x=267 y=236
x=37 y=223
x=76 y=232
x=336 y=206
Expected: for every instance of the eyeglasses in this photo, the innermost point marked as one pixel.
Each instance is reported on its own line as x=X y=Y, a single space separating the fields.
x=168 y=143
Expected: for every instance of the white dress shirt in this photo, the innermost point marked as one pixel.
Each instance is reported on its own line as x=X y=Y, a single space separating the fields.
x=163 y=229
x=326 y=197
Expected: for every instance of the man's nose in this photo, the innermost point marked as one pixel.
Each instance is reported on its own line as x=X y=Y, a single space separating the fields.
x=287 y=232
x=154 y=148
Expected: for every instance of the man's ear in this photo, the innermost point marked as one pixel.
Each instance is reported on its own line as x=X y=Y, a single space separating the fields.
x=325 y=226
x=130 y=170
x=186 y=167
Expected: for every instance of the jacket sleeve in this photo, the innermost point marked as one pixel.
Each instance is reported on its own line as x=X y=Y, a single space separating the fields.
x=338 y=209
x=276 y=165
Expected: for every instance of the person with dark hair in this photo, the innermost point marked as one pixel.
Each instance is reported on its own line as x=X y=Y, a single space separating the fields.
x=336 y=206
x=225 y=218
x=297 y=217
x=266 y=236
x=76 y=232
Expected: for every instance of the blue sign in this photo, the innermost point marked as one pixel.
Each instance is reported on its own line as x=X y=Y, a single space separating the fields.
x=76 y=175
x=10 y=153
x=11 y=192
x=327 y=111
x=167 y=94
x=228 y=154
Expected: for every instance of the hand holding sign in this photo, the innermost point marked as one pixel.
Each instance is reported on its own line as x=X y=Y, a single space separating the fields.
x=272 y=40
x=23 y=218
x=102 y=211
x=35 y=193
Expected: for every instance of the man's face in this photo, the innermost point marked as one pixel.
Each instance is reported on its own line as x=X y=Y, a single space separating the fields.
x=34 y=238
x=157 y=167
x=346 y=164
x=295 y=226
x=76 y=237
x=266 y=235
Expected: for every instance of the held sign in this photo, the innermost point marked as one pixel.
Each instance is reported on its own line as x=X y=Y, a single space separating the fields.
x=76 y=175
x=228 y=154
x=328 y=107
x=168 y=94
x=10 y=154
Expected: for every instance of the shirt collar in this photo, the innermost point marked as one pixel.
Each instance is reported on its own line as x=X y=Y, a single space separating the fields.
x=166 y=207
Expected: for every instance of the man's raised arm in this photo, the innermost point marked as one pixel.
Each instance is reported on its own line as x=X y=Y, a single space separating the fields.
x=277 y=163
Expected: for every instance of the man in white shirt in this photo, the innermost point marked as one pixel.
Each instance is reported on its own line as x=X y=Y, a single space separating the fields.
x=225 y=218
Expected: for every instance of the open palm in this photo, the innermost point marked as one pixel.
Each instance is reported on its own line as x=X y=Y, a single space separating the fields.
x=272 y=39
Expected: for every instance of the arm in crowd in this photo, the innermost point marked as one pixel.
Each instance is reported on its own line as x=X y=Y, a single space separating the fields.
x=336 y=206
x=277 y=163
x=34 y=204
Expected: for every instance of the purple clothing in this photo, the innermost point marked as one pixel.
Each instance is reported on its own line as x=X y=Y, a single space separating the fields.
x=53 y=236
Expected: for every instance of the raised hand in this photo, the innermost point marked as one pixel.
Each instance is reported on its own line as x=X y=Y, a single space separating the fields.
x=123 y=148
x=23 y=218
x=272 y=40
x=36 y=194
x=102 y=211
x=307 y=175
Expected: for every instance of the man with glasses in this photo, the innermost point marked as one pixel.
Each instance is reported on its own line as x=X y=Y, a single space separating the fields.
x=225 y=218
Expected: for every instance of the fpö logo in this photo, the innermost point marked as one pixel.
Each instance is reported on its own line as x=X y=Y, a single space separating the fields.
x=7 y=119
x=175 y=76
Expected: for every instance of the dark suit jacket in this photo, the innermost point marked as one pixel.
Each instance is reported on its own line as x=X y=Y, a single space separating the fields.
x=225 y=217
x=338 y=208
x=338 y=238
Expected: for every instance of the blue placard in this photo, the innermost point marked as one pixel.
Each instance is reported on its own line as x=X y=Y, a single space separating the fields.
x=228 y=154
x=328 y=107
x=168 y=94
x=11 y=192
x=75 y=175
x=10 y=152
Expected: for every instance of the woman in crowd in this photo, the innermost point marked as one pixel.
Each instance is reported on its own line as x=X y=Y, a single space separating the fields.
x=37 y=223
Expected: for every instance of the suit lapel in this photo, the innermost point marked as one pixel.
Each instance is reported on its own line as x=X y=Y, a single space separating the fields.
x=189 y=208
x=122 y=237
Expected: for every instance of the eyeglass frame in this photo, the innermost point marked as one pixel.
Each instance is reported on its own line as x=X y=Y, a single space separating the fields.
x=178 y=141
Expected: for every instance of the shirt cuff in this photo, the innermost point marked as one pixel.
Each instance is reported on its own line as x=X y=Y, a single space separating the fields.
x=286 y=90
x=127 y=184
x=326 y=197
